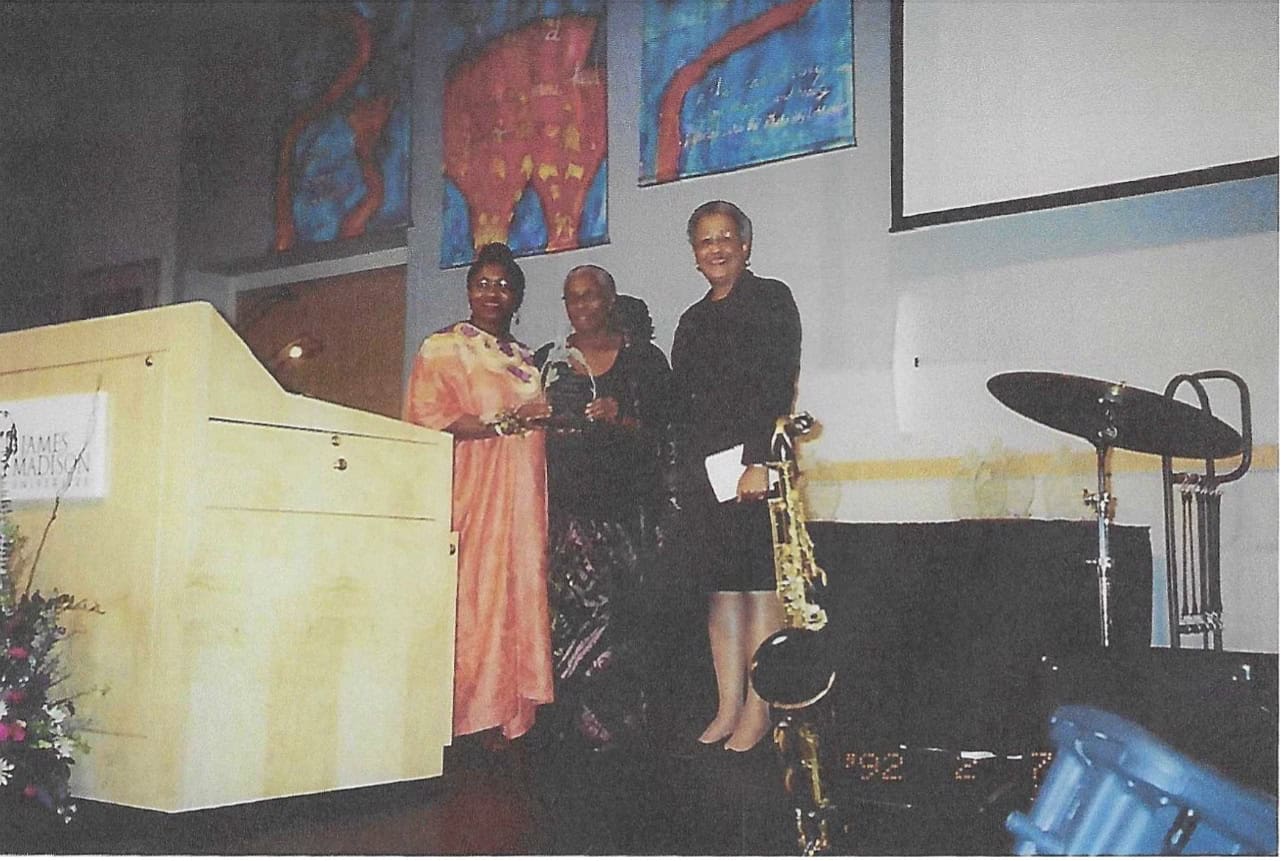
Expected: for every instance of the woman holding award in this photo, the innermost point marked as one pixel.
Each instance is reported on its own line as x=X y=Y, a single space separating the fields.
x=736 y=355
x=476 y=381
x=610 y=406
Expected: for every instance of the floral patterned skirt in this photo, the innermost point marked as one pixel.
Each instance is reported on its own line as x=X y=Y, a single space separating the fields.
x=597 y=571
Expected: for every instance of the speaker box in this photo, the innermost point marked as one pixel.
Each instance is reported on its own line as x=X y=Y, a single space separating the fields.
x=938 y=628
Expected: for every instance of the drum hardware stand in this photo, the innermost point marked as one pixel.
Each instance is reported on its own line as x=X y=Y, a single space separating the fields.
x=1194 y=597
x=1114 y=415
x=1102 y=501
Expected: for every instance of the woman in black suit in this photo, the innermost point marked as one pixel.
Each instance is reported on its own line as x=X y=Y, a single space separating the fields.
x=735 y=356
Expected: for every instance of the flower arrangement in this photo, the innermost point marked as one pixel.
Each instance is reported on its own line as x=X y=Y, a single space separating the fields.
x=38 y=733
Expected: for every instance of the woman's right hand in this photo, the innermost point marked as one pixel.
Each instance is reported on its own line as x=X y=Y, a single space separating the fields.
x=536 y=410
x=753 y=483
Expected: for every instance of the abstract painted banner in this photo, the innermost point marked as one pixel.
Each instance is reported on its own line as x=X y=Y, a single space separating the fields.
x=524 y=126
x=343 y=165
x=735 y=83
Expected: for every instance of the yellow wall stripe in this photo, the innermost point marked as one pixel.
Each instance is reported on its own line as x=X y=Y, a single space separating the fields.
x=1015 y=464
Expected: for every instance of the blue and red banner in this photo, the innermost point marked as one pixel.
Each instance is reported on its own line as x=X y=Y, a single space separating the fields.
x=343 y=160
x=736 y=83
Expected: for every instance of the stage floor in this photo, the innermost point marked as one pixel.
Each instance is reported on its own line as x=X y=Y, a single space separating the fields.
x=916 y=679
x=671 y=796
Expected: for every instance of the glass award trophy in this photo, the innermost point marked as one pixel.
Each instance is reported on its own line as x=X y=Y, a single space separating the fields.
x=568 y=386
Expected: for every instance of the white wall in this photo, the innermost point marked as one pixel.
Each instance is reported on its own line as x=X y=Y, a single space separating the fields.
x=1135 y=290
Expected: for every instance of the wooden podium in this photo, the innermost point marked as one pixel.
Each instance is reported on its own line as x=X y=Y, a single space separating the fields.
x=276 y=573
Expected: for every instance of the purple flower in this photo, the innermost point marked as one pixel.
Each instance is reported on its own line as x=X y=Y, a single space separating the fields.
x=13 y=732
x=17 y=652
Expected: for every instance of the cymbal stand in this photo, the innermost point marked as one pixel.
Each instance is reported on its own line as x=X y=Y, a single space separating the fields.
x=1102 y=501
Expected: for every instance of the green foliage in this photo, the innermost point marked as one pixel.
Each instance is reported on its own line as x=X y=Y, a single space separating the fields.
x=39 y=732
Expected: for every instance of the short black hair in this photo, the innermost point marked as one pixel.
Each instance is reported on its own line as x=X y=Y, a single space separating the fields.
x=631 y=317
x=497 y=252
x=720 y=207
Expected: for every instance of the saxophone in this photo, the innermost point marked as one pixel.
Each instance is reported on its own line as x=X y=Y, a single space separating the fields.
x=791 y=669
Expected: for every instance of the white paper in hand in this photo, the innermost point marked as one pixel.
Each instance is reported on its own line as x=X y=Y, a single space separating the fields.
x=724 y=470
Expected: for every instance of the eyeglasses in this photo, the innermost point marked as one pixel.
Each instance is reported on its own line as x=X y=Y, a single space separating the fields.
x=719 y=239
x=487 y=283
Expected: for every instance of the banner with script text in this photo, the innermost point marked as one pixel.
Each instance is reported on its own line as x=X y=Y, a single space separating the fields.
x=733 y=84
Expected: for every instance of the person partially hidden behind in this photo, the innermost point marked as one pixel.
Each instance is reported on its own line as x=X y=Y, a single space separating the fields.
x=610 y=403
x=736 y=355
x=475 y=380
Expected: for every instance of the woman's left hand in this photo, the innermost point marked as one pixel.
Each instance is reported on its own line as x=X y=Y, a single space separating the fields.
x=534 y=410
x=602 y=409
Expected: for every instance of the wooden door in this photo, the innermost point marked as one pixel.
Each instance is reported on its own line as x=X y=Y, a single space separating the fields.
x=339 y=339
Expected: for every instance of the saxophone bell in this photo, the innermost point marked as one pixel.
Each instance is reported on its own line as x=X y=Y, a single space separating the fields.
x=793 y=668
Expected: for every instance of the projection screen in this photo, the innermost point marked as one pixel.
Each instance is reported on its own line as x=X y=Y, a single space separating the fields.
x=1003 y=106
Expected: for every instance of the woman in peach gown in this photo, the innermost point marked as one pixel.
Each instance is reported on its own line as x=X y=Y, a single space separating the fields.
x=476 y=381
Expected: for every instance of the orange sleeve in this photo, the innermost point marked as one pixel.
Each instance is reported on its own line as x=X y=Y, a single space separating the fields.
x=434 y=395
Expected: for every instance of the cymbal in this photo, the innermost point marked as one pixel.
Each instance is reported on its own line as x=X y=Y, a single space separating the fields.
x=1141 y=421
